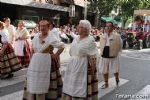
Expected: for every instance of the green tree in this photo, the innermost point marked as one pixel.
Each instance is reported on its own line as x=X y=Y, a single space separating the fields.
x=101 y=8
x=127 y=7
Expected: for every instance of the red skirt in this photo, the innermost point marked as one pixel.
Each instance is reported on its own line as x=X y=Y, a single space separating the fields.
x=25 y=60
x=9 y=62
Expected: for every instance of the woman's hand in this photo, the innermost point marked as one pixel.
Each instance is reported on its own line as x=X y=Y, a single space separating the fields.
x=54 y=56
x=21 y=38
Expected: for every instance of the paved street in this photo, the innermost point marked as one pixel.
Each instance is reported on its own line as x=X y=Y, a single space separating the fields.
x=111 y=23
x=135 y=69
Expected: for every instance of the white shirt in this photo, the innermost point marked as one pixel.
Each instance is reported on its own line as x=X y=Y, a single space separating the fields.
x=55 y=32
x=108 y=40
x=5 y=36
x=11 y=32
x=73 y=34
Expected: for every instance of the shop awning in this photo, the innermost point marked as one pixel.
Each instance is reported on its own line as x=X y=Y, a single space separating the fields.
x=31 y=3
x=109 y=19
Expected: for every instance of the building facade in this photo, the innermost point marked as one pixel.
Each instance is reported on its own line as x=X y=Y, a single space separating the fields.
x=57 y=10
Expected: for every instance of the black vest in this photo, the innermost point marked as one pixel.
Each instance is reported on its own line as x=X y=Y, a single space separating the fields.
x=106 y=52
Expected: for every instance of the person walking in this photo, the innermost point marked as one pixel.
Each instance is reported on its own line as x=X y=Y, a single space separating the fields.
x=110 y=46
x=9 y=62
x=43 y=77
x=80 y=80
x=22 y=44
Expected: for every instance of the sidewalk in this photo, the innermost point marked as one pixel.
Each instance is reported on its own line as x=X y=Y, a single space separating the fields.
x=143 y=54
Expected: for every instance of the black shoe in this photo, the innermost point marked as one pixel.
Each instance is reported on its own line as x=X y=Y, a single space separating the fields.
x=117 y=83
x=10 y=75
x=104 y=86
x=3 y=77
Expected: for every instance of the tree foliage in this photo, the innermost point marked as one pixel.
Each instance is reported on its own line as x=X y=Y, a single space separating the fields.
x=104 y=7
x=101 y=7
x=126 y=7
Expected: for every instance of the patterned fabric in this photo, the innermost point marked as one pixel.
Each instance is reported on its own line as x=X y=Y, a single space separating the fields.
x=9 y=62
x=25 y=60
x=92 y=93
x=92 y=87
x=55 y=88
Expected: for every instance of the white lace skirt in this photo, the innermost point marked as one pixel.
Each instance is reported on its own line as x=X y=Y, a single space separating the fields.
x=38 y=74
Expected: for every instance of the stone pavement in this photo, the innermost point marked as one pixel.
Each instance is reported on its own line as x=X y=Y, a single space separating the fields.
x=9 y=88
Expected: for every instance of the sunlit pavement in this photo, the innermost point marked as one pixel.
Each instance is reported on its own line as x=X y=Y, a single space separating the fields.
x=134 y=77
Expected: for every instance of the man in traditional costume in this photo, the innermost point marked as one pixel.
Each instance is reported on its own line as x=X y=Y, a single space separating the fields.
x=80 y=80
x=110 y=46
x=43 y=77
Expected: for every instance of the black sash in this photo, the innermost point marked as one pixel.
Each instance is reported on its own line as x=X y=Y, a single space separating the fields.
x=106 y=52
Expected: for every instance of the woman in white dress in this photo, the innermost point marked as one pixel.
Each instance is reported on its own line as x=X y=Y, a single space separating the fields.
x=43 y=77
x=80 y=80
x=22 y=44
x=9 y=62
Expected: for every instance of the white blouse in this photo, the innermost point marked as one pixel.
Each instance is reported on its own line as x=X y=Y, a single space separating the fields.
x=49 y=40
x=5 y=35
